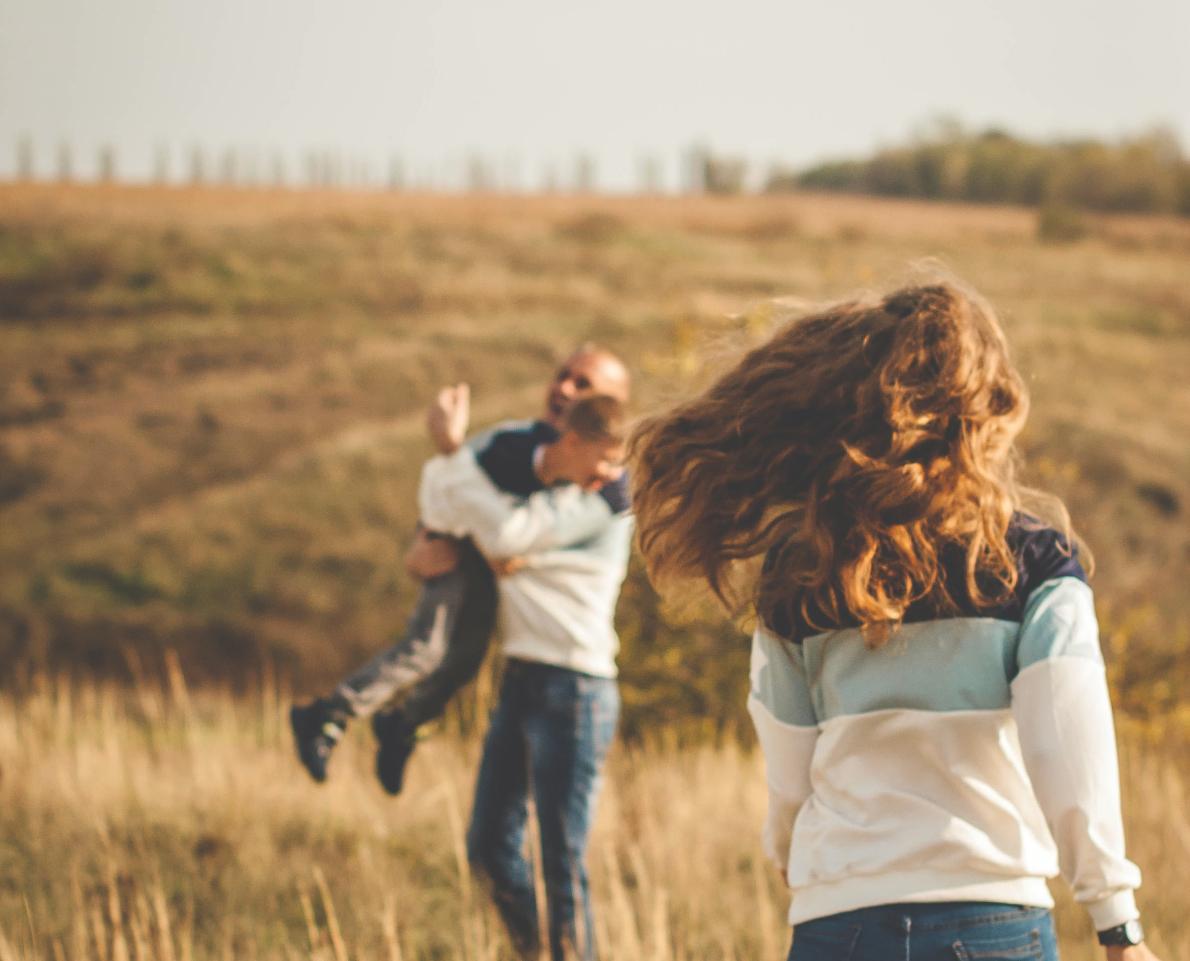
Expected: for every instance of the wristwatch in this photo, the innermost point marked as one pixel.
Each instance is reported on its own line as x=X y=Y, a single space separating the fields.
x=1122 y=935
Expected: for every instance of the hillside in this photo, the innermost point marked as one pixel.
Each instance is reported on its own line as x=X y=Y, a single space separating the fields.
x=210 y=403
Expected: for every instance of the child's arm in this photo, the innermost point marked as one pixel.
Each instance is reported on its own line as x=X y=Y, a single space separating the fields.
x=447 y=418
x=547 y=520
x=458 y=498
x=786 y=726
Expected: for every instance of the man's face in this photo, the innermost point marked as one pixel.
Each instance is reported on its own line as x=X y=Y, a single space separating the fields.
x=590 y=463
x=584 y=374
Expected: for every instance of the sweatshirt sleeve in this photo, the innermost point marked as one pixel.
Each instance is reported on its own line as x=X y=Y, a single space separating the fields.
x=783 y=714
x=457 y=497
x=1063 y=712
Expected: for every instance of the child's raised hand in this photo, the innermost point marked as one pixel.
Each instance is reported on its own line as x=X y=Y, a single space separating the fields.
x=449 y=416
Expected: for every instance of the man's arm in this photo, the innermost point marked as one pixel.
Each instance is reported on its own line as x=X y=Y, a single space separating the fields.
x=429 y=556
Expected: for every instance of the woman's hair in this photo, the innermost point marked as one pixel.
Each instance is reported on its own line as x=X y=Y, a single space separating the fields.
x=850 y=450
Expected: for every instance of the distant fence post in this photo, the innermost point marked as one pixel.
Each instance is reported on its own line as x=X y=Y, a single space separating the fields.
x=479 y=178
x=65 y=163
x=25 y=158
x=250 y=175
x=510 y=178
x=107 y=164
x=649 y=172
x=198 y=170
x=228 y=168
x=694 y=165
x=724 y=175
x=584 y=173
x=161 y=164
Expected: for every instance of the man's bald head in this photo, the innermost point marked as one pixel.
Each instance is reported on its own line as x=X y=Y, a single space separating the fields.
x=591 y=369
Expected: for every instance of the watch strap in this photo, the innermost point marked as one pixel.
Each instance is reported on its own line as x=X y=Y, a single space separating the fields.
x=1122 y=935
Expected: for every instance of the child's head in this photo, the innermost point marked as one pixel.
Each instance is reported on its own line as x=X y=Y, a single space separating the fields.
x=591 y=447
x=850 y=447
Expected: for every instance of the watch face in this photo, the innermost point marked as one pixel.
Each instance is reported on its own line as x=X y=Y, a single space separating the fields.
x=1133 y=932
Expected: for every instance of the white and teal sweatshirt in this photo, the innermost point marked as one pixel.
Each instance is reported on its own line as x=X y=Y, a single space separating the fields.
x=559 y=608
x=969 y=759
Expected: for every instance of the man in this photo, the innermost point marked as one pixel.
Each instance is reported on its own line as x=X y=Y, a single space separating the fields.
x=447 y=635
x=558 y=704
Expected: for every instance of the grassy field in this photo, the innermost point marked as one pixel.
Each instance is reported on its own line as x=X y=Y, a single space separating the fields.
x=210 y=430
x=164 y=824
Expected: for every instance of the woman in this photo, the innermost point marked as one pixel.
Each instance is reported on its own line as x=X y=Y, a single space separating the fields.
x=927 y=684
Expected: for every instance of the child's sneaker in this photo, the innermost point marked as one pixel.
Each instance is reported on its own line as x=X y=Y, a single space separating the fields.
x=397 y=739
x=316 y=730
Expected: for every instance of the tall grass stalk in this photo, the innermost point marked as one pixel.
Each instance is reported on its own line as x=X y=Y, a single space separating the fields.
x=164 y=823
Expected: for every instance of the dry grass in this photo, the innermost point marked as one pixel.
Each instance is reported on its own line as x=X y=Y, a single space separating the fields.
x=157 y=823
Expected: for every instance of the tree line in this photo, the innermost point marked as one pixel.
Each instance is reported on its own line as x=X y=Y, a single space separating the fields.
x=1148 y=173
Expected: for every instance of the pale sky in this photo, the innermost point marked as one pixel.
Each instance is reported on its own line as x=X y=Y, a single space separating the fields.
x=532 y=83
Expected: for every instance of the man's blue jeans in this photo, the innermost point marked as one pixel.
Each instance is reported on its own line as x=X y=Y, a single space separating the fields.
x=951 y=931
x=549 y=733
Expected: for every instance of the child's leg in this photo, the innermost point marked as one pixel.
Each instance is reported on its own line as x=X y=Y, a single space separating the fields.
x=457 y=608
x=396 y=729
x=466 y=647
x=448 y=631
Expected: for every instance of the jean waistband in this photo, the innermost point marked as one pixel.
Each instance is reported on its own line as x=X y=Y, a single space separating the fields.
x=941 y=914
x=516 y=667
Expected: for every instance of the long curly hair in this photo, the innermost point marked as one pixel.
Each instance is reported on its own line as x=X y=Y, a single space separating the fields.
x=850 y=451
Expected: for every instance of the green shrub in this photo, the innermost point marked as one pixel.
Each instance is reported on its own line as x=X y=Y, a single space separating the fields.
x=1060 y=224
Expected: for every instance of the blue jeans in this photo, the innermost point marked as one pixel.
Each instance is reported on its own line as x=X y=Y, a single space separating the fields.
x=950 y=931
x=549 y=733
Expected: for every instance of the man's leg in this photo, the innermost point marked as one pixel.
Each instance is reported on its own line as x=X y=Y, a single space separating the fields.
x=464 y=597
x=569 y=736
x=496 y=837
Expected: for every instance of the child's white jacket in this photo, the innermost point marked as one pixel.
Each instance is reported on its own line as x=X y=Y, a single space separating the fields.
x=559 y=608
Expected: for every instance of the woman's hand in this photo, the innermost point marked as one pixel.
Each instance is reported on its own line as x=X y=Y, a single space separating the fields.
x=1135 y=952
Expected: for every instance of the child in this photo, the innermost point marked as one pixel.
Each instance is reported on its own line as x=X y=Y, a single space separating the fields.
x=927 y=685
x=497 y=491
